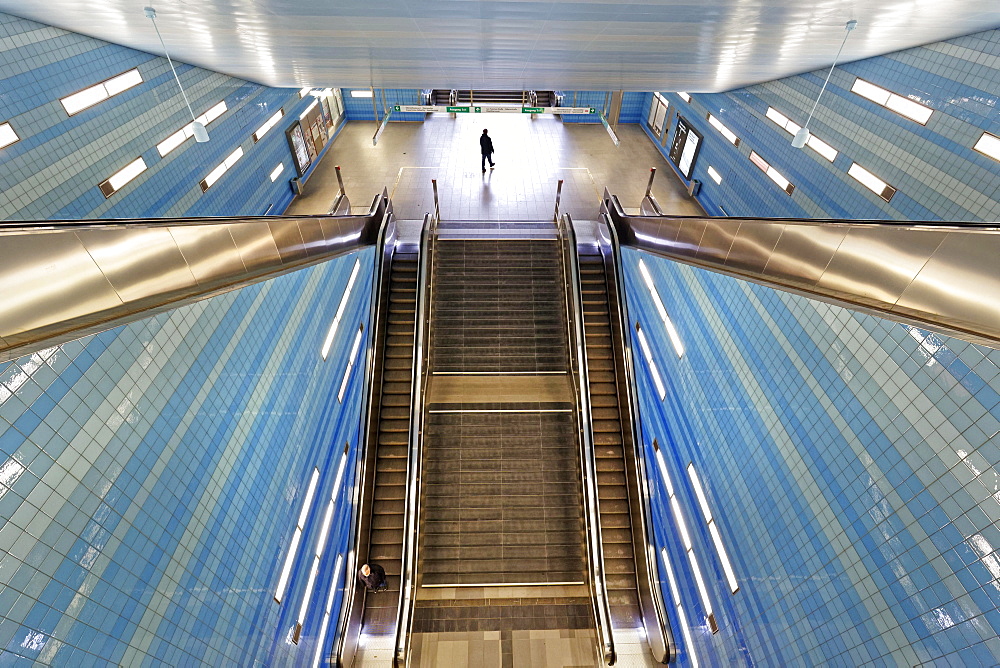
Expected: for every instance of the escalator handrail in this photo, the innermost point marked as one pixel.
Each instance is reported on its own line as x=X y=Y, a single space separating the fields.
x=351 y=611
x=579 y=374
x=653 y=593
x=418 y=391
x=936 y=275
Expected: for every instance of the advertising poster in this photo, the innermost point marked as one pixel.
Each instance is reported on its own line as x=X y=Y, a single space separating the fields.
x=297 y=142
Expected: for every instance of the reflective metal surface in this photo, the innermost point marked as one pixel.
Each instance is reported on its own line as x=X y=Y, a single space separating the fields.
x=939 y=276
x=713 y=45
x=579 y=374
x=647 y=577
x=63 y=280
x=345 y=644
x=414 y=464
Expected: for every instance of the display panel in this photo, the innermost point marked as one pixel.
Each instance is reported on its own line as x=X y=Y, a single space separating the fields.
x=297 y=142
x=684 y=149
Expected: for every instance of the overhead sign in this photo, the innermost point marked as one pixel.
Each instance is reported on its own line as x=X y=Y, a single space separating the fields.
x=491 y=109
x=611 y=133
x=416 y=108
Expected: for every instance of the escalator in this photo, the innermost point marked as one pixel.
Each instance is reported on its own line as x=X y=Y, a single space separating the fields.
x=386 y=537
x=442 y=97
x=612 y=488
x=369 y=622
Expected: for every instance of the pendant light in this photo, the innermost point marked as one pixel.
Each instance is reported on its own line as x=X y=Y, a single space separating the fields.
x=802 y=136
x=200 y=133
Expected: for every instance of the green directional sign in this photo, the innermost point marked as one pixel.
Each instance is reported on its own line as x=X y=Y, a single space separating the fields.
x=396 y=108
x=458 y=110
x=593 y=111
x=532 y=110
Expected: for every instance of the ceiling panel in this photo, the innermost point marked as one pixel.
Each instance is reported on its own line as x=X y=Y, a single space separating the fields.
x=587 y=45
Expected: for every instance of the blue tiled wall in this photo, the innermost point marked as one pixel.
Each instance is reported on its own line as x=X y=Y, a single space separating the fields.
x=151 y=477
x=360 y=108
x=584 y=98
x=937 y=174
x=852 y=465
x=634 y=108
x=53 y=172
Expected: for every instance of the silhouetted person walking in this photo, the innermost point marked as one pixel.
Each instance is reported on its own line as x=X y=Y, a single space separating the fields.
x=486 y=148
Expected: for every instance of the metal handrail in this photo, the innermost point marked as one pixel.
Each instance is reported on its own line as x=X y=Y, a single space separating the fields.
x=67 y=279
x=579 y=375
x=414 y=466
x=349 y=625
x=937 y=275
x=659 y=637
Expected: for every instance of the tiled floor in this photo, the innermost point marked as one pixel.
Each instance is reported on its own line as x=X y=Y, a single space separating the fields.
x=566 y=648
x=532 y=155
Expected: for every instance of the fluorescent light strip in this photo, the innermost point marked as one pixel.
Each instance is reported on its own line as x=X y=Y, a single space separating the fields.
x=217 y=173
x=726 y=132
x=304 y=608
x=350 y=363
x=675 y=508
x=268 y=124
x=771 y=172
x=321 y=542
x=714 y=175
x=682 y=618
x=713 y=529
x=652 y=365
x=872 y=182
x=7 y=135
x=186 y=132
x=988 y=144
x=362 y=93
x=675 y=337
x=684 y=96
x=790 y=127
x=340 y=311
x=903 y=106
x=276 y=172
x=123 y=176
x=286 y=570
x=326 y=613
x=88 y=97
x=305 y=113
x=328 y=519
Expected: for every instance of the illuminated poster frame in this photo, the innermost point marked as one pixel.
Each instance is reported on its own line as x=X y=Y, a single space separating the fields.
x=685 y=148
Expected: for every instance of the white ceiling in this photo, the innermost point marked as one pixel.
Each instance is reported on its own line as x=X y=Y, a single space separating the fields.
x=706 y=45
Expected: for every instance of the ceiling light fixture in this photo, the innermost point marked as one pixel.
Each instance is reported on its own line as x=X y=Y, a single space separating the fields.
x=198 y=128
x=802 y=136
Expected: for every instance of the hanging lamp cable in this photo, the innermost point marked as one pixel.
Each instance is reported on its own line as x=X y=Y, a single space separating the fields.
x=200 y=133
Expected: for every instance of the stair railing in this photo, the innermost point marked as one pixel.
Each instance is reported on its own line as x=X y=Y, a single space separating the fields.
x=579 y=373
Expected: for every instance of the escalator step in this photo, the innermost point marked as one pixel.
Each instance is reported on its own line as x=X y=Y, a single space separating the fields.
x=608 y=439
x=604 y=413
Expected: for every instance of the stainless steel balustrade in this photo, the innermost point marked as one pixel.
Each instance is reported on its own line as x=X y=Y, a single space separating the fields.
x=411 y=521
x=654 y=616
x=345 y=644
x=64 y=279
x=579 y=374
x=935 y=275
